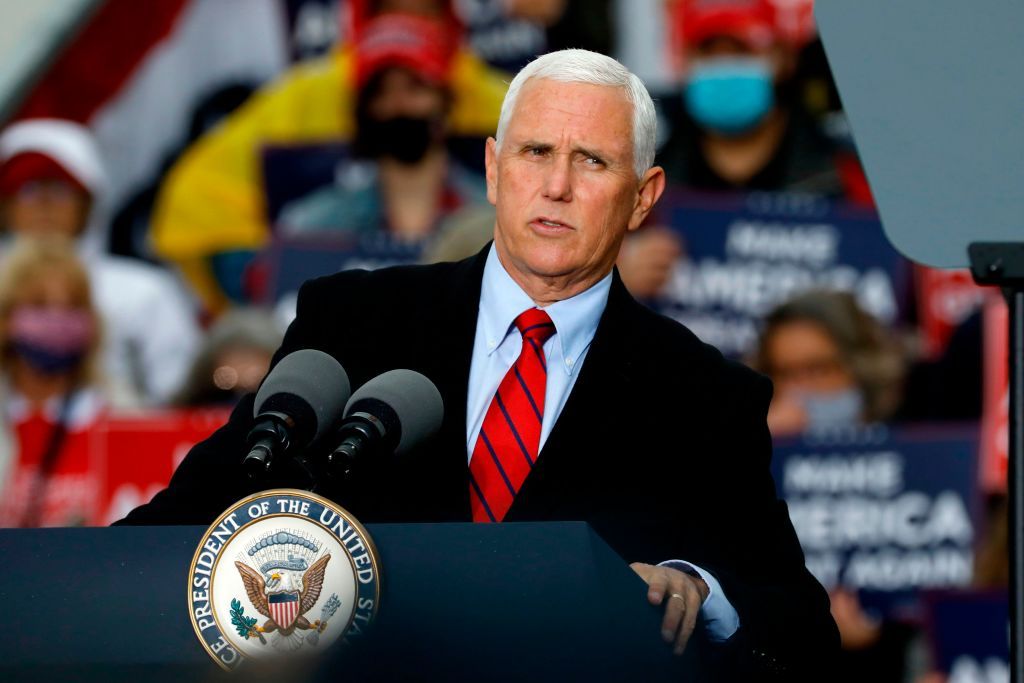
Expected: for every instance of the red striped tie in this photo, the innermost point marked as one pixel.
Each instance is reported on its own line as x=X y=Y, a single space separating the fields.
x=510 y=436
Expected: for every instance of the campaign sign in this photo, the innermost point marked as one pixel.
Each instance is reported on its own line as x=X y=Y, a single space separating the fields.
x=137 y=454
x=970 y=635
x=747 y=253
x=292 y=261
x=292 y=172
x=885 y=512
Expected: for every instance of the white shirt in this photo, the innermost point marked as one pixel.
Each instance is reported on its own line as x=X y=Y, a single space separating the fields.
x=150 y=331
x=495 y=348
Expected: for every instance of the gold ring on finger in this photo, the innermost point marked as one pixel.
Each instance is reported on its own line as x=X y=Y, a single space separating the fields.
x=677 y=595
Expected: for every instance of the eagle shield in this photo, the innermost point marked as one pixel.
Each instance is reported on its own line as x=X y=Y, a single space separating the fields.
x=284 y=607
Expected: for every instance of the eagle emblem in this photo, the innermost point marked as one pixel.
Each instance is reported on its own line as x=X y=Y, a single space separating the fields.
x=262 y=583
x=283 y=585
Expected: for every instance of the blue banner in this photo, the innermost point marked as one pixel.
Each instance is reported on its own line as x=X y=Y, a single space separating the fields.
x=885 y=512
x=747 y=253
x=293 y=172
x=970 y=635
x=290 y=262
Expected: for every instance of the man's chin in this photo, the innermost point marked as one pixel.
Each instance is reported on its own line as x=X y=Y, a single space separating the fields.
x=549 y=266
x=543 y=260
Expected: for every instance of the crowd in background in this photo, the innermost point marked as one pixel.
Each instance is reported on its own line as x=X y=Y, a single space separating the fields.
x=164 y=301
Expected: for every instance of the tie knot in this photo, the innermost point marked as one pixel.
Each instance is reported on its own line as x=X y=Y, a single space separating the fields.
x=535 y=324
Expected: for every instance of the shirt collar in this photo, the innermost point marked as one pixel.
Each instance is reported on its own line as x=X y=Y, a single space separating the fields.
x=575 y=319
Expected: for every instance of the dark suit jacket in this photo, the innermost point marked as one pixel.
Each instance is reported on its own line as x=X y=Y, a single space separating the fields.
x=662 y=447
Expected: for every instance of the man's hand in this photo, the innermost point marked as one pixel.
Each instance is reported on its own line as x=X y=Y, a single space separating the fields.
x=682 y=593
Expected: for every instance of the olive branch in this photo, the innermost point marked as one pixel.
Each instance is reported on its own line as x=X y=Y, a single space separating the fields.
x=246 y=626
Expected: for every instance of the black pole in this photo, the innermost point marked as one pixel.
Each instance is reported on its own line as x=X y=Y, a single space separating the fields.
x=1015 y=300
x=1002 y=264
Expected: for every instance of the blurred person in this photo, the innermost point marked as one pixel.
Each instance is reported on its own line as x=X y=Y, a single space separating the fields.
x=402 y=181
x=233 y=360
x=739 y=126
x=50 y=392
x=52 y=180
x=833 y=365
x=209 y=219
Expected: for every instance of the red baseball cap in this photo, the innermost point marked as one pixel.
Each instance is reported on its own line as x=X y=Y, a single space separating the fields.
x=750 y=21
x=34 y=166
x=421 y=44
x=50 y=149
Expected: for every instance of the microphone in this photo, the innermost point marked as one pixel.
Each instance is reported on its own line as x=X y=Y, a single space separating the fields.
x=391 y=413
x=302 y=397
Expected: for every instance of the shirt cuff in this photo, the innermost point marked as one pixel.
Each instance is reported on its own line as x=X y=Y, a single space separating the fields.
x=720 y=618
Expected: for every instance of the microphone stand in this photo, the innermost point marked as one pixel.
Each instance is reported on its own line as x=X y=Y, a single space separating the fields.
x=1001 y=264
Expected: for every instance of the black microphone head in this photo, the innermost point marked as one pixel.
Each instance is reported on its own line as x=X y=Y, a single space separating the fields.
x=310 y=387
x=416 y=408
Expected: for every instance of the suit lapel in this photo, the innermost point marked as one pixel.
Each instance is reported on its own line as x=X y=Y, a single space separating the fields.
x=587 y=420
x=448 y=355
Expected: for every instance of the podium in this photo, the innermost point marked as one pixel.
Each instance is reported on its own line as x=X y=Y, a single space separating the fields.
x=518 y=601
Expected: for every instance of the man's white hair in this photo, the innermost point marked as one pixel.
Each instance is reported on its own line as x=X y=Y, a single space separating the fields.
x=584 y=66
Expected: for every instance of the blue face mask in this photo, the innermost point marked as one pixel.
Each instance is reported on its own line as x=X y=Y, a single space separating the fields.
x=842 y=408
x=730 y=95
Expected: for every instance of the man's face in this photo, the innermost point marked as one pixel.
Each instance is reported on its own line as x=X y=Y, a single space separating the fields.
x=564 y=183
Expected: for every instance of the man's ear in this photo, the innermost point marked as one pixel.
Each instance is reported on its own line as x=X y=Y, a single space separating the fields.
x=491 y=166
x=652 y=185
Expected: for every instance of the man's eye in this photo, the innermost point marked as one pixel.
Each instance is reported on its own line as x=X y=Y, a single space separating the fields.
x=535 y=151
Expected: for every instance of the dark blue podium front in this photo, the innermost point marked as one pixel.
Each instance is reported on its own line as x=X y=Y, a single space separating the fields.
x=527 y=601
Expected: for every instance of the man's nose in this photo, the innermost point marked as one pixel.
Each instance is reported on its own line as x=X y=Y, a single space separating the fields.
x=558 y=181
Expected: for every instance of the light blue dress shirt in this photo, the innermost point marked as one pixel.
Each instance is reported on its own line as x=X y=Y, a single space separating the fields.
x=495 y=348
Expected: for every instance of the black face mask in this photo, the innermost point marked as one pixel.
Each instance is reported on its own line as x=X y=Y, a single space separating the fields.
x=404 y=139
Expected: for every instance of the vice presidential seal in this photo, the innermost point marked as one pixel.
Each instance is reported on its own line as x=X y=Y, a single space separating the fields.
x=281 y=571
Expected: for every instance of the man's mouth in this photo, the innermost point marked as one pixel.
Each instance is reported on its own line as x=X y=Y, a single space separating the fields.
x=551 y=224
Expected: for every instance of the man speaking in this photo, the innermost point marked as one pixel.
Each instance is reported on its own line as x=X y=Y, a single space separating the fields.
x=564 y=398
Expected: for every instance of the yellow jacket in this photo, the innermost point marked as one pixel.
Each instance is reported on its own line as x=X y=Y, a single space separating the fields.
x=212 y=199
